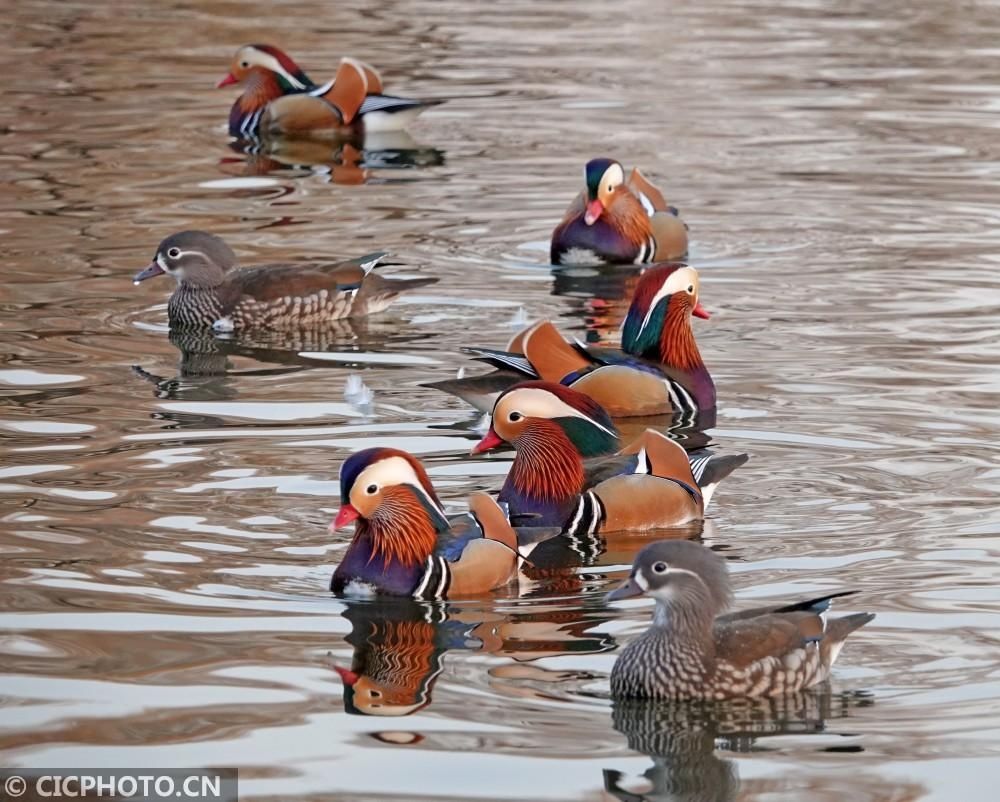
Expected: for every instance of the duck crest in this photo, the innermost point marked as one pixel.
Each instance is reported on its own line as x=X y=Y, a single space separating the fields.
x=287 y=65
x=591 y=436
x=593 y=173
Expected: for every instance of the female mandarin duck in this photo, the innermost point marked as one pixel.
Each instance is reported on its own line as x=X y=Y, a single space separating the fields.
x=553 y=430
x=618 y=222
x=659 y=369
x=693 y=652
x=403 y=543
x=279 y=99
x=213 y=292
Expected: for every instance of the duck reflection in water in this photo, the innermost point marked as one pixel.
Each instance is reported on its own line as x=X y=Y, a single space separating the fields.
x=206 y=366
x=349 y=161
x=681 y=738
x=399 y=647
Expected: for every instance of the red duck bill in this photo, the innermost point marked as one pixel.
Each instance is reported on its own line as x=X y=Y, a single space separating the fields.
x=491 y=441
x=345 y=515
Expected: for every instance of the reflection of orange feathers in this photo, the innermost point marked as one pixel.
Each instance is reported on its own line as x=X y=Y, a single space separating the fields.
x=401 y=655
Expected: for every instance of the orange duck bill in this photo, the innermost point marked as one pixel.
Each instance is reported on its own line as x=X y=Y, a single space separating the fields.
x=227 y=81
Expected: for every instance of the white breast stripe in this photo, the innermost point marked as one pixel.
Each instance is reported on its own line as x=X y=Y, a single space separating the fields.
x=442 y=587
x=597 y=514
x=419 y=592
x=577 y=516
x=680 y=398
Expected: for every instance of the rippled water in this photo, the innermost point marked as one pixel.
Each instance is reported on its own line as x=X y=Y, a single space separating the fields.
x=165 y=546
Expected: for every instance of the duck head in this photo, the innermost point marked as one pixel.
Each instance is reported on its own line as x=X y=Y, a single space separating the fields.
x=539 y=411
x=658 y=323
x=268 y=58
x=388 y=494
x=195 y=258
x=679 y=575
x=552 y=428
x=604 y=178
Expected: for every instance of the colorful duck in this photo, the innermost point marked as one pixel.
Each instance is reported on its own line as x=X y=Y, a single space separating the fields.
x=692 y=651
x=279 y=99
x=213 y=292
x=403 y=543
x=555 y=430
x=618 y=222
x=658 y=370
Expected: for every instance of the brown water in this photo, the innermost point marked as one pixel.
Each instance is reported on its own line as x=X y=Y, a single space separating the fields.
x=165 y=553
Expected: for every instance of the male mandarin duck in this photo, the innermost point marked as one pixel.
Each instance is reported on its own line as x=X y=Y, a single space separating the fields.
x=618 y=222
x=692 y=651
x=403 y=543
x=213 y=292
x=659 y=369
x=554 y=431
x=279 y=99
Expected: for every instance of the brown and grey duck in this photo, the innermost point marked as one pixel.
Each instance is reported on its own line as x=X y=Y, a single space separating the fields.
x=693 y=652
x=213 y=292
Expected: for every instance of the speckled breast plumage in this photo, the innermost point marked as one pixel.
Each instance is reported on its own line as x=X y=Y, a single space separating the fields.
x=657 y=666
x=289 y=312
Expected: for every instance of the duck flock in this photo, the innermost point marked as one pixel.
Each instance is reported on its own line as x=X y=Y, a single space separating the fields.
x=574 y=483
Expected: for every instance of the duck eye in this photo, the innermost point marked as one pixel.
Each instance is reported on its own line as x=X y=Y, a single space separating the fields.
x=690 y=289
x=659 y=568
x=371 y=490
x=514 y=417
x=611 y=187
x=244 y=64
x=174 y=253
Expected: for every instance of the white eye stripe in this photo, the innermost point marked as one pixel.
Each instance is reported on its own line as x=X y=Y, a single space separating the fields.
x=180 y=255
x=269 y=61
x=538 y=403
x=393 y=471
x=614 y=176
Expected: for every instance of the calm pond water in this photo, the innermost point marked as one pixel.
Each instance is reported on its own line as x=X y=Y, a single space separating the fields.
x=165 y=546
